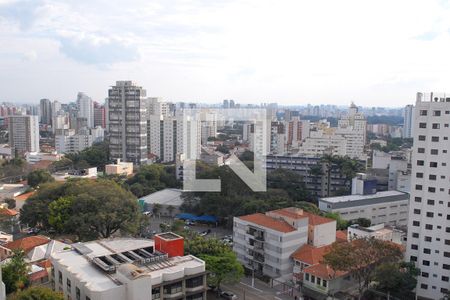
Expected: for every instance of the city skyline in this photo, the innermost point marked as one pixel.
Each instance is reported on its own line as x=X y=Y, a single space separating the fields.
x=252 y=52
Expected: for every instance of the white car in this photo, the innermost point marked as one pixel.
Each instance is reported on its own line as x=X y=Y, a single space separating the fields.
x=228 y=295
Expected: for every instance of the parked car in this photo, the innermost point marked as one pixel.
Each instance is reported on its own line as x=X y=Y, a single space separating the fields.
x=147 y=213
x=228 y=295
x=189 y=222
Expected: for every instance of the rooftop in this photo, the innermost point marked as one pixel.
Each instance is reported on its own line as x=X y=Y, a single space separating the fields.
x=349 y=198
x=323 y=271
x=128 y=256
x=27 y=243
x=310 y=254
x=164 y=197
x=268 y=222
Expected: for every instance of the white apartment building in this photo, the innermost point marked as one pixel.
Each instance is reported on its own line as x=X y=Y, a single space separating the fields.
x=379 y=231
x=127 y=269
x=429 y=213
x=85 y=108
x=265 y=242
x=408 y=121
x=69 y=142
x=323 y=142
x=388 y=207
x=23 y=134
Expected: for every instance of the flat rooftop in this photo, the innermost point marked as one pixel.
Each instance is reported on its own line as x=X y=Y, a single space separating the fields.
x=355 y=198
x=82 y=261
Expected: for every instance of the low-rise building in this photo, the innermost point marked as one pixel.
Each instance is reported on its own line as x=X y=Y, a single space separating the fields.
x=265 y=242
x=35 y=157
x=129 y=269
x=168 y=200
x=389 y=207
x=119 y=168
x=379 y=231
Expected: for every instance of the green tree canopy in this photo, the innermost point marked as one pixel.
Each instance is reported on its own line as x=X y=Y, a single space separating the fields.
x=15 y=272
x=37 y=293
x=399 y=279
x=151 y=178
x=37 y=177
x=86 y=208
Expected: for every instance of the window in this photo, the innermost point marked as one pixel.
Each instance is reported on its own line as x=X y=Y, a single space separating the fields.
x=432 y=189
x=77 y=293
x=430 y=202
x=433 y=164
x=423 y=112
x=428 y=227
x=416 y=223
x=434 y=152
x=445 y=278
x=60 y=277
x=446 y=254
x=313 y=278
x=425 y=262
x=424 y=286
x=446 y=267
x=173 y=288
x=69 y=285
x=307 y=276
x=419 y=175
x=414 y=247
x=436 y=113
x=415 y=235
x=432 y=177
x=420 y=163
x=418 y=187
x=194 y=282
x=318 y=282
x=427 y=239
x=324 y=283
x=417 y=211
x=426 y=250
x=422 y=125
x=413 y=258
x=422 y=138
x=430 y=214
x=425 y=274
x=420 y=150
x=436 y=126
x=418 y=199
x=435 y=139
x=156 y=293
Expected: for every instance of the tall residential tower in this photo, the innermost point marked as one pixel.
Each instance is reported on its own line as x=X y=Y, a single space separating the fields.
x=429 y=209
x=127 y=122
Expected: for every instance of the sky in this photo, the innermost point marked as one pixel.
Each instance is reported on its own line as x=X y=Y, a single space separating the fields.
x=375 y=53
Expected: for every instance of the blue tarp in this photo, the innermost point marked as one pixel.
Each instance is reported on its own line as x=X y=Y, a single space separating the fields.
x=204 y=218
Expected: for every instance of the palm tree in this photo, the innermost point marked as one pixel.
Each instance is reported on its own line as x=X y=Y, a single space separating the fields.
x=170 y=209
x=156 y=208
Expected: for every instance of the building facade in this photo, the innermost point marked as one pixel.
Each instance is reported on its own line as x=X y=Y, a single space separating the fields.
x=23 y=134
x=429 y=213
x=408 y=121
x=127 y=122
x=129 y=269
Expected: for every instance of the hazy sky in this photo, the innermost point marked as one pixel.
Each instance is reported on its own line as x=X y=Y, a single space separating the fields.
x=376 y=53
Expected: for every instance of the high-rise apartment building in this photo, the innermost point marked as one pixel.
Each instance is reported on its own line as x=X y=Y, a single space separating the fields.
x=127 y=122
x=429 y=209
x=85 y=108
x=99 y=115
x=408 y=116
x=45 y=111
x=23 y=134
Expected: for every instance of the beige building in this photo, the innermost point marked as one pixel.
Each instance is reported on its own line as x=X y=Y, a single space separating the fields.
x=119 y=168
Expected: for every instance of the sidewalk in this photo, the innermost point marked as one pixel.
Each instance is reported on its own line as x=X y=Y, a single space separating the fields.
x=266 y=289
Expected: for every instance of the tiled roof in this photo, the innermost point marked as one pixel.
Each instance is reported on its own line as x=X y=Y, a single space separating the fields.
x=290 y=213
x=268 y=222
x=27 y=243
x=45 y=264
x=8 y=212
x=317 y=220
x=310 y=254
x=38 y=275
x=341 y=235
x=323 y=271
x=25 y=196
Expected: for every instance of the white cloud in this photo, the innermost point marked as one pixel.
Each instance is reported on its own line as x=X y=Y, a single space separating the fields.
x=375 y=53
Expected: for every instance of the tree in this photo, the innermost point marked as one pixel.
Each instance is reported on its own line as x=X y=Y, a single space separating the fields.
x=364 y=222
x=101 y=208
x=15 y=272
x=219 y=258
x=170 y=209
x=341 y=224
x=37 y=177
x=360 y=257
x=223 y=269
x=156 y=208
x=152 y=178
x=38 y=292
x=11 y=203
x=399 y=279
